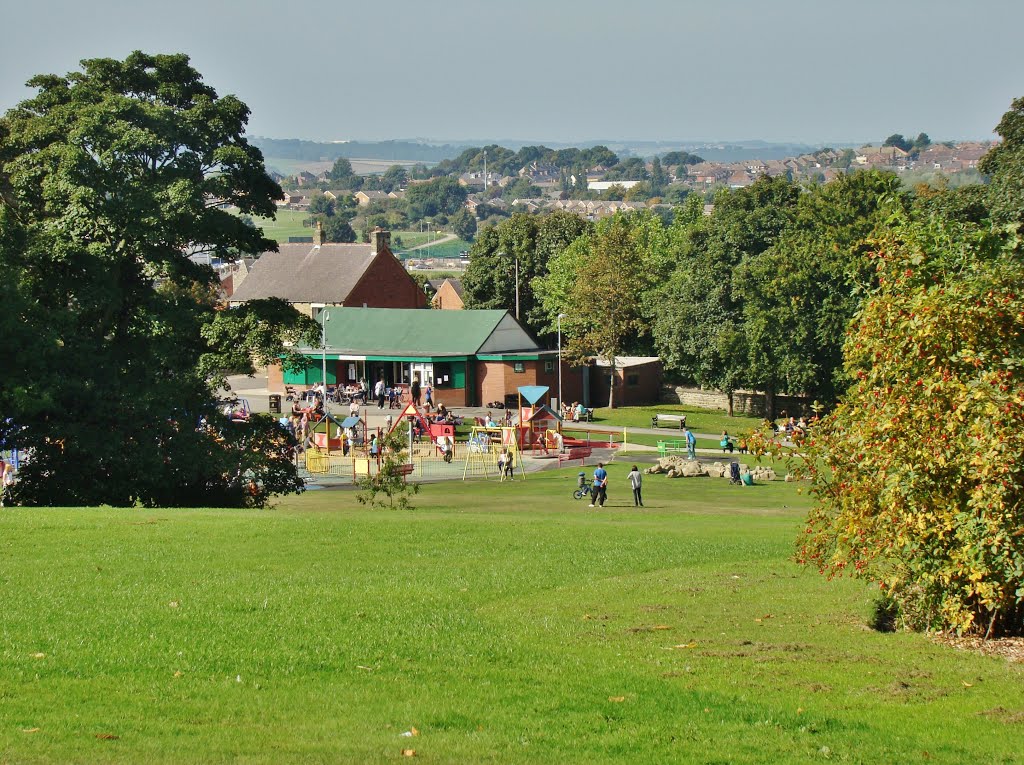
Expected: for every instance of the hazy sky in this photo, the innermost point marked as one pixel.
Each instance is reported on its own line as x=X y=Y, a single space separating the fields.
x=815 y=71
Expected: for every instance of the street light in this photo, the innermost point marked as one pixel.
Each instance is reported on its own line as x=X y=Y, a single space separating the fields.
x=561 y=404
x=325 y=317
x=505 y=255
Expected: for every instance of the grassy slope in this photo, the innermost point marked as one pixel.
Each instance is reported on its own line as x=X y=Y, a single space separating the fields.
x=508 y=623
x=287 y=223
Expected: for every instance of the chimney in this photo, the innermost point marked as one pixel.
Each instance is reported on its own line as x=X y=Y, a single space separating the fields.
x=381 y=239
x=318 y=234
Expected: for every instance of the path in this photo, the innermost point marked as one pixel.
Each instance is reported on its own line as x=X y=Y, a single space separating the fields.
x=425 y=245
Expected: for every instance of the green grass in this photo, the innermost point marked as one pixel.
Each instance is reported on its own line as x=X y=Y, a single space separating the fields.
x=450 y=249
x=288 y=223
x=698 y=420
x=508 y=623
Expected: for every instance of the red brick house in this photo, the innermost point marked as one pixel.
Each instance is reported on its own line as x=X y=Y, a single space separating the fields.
x=330 y=274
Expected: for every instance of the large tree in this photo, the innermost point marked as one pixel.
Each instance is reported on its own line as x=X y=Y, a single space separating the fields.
x=614 y=268
x=534 y=240
x=798 y=296
x=110 y=178
x=698 y=328
x=1005 y=164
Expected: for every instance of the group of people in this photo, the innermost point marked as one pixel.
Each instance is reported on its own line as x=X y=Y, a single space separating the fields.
x=419 y=394
x=599 y=486
x=574 y=412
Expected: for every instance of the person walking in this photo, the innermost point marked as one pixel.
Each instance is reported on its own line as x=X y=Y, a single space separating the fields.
x=599 y=491
x=635 y=479
x=691 y=444
x=378 y=392
x=428 y=396
x=414 y=392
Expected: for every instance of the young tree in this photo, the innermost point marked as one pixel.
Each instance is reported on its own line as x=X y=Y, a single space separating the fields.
x=389 y=487
x=109 y=179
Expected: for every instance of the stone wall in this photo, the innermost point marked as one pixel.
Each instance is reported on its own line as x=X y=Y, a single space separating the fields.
x=744 y=402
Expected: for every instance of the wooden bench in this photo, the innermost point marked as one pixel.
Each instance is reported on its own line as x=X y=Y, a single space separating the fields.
x=669 y=420
x=575 y=453
x=671 y=447
x=405 y=470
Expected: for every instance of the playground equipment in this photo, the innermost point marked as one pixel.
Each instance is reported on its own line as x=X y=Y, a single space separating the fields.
x=485 y=446
x=237 y=410
x=536 y=420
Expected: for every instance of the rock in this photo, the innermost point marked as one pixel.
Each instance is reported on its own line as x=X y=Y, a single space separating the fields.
x=692 y=469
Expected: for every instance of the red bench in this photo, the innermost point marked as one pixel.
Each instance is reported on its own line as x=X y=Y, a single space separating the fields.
x=575 y=453
x=405 y=469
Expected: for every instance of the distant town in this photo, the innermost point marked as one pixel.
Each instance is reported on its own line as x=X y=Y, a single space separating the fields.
x=481 y=186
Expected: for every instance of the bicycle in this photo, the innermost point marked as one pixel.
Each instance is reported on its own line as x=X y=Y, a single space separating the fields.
x=583 y=490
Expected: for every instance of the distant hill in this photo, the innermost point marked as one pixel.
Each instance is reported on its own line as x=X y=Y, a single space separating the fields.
x=315 y=151
x=304 y=152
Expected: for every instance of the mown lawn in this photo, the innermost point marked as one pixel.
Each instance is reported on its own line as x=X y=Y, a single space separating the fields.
x=287 y=223
x=698 y=420
x=506 y=623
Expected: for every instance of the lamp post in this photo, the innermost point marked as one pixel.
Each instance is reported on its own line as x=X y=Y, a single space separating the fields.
x=561 y=404
x=325 y=317
x=506 y=255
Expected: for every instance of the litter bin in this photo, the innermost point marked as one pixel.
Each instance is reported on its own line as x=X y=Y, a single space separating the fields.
x=275 y=403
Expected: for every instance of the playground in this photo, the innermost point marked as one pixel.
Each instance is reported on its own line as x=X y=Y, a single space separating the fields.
x=470 y=446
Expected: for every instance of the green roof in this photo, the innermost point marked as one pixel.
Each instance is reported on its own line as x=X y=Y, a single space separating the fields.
x=406 y=332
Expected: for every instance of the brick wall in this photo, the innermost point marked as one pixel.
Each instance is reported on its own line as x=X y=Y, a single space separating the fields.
x=646 y=391
x=447 y=299
x=495 y=379
x=386 y=284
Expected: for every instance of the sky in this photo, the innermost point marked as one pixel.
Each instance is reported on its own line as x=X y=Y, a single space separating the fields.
x=568 y=71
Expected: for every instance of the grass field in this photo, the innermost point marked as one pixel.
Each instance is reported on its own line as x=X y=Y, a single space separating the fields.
x=288 y=223
x=506 y=623
x=698 y=420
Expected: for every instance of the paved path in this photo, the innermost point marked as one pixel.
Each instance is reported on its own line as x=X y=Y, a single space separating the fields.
x=428 y=245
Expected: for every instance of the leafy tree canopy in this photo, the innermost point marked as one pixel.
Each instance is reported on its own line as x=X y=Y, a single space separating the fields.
x=489 y=281
x=1005 y=165
x=440 y=196
x=110 y=177
x=917 y=472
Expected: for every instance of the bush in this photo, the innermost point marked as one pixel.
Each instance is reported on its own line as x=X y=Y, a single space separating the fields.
x=919 y=472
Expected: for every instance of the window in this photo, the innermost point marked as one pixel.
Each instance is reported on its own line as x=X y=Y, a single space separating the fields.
x=518 y=366
x=632 y=380
x=549 y=366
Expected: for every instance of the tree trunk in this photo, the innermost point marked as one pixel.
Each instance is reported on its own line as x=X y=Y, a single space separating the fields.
x=731 y=410
x=611 y=383
x=769 y=403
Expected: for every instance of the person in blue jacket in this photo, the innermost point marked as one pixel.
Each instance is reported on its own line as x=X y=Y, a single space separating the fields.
x=599 y=492
x=691 y=444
